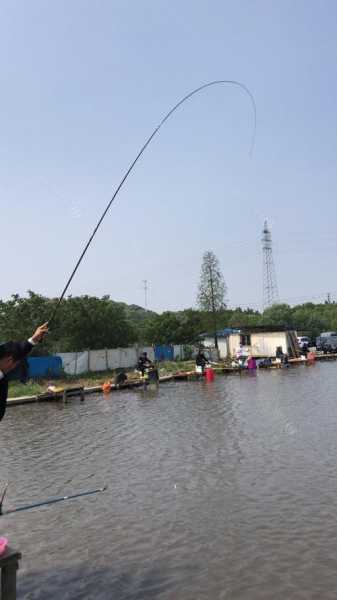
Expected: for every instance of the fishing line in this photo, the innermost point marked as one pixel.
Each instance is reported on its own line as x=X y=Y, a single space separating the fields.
x=167 y=116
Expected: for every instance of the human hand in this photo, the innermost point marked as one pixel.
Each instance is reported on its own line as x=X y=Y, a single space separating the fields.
x=40 y=333
x=7 y=364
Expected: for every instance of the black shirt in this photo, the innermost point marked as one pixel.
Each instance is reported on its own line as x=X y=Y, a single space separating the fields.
x=20 y=350
x=143 y=363
x=201 y=360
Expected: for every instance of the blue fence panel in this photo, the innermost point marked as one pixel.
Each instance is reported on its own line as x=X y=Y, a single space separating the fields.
x=164 y=352
x=44 y=366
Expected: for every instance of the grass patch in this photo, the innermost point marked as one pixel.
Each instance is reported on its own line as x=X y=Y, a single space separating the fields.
x=170 y=367
x=32 y=388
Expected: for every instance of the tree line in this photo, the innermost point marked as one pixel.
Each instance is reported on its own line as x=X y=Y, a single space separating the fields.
x=84 y=322
x=89 y=322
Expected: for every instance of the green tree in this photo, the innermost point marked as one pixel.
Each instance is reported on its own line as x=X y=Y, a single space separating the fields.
x=162 y=329
x=90 y=322
x=19 y=317
x=278 y=314
x=244 y=318
x=212 y=289
x=138 y=318
x=191 y=324
x=81 y=322
x=312 y=319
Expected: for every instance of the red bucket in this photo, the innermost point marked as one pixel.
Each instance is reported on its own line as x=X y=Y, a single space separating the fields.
x=209 y=374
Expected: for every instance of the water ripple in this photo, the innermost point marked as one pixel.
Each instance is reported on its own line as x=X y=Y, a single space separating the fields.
x=221 y=491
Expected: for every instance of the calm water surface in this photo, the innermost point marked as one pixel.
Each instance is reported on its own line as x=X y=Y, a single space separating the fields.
x=216 y=491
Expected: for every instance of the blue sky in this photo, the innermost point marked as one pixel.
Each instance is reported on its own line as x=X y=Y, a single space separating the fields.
x=82 y=86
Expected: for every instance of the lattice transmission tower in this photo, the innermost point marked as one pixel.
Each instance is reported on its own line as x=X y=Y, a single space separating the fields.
x=270 y=290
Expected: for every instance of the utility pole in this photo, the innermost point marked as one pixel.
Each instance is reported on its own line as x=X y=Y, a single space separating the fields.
x=145 y=287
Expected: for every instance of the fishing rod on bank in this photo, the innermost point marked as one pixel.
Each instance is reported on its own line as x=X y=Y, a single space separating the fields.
x=143 y=148
x=47 y=502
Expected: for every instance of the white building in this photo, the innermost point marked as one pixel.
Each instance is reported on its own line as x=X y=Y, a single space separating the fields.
x=259 y=342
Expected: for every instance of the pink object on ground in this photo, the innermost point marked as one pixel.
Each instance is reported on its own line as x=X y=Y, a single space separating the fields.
x=3 y=544
x=251 y=363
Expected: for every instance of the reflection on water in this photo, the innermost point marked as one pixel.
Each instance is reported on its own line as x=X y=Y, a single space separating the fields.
x=225 y=490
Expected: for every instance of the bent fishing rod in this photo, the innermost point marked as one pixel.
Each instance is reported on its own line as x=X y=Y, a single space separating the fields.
x=143 y=148
x=45 y=502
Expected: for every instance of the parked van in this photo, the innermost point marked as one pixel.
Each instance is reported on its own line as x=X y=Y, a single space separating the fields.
x=303 y=341
x=327 y=341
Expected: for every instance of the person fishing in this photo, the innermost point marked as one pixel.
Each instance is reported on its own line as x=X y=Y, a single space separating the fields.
x=201 y=361
x=11 y=354
x=148 y=370
x=144 y=363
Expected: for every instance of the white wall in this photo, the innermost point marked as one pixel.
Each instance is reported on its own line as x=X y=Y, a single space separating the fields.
x=178 y=352
x=223 y=347
x=262 y=344
x=75 y=363
x=208 y=342
x=265 y=344
x=234 y=344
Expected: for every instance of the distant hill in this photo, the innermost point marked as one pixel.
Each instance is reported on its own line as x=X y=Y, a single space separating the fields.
x=137 y=314
x=138 y=317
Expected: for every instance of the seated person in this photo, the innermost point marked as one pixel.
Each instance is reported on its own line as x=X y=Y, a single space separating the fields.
x=121 y=377
x=279 y=353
